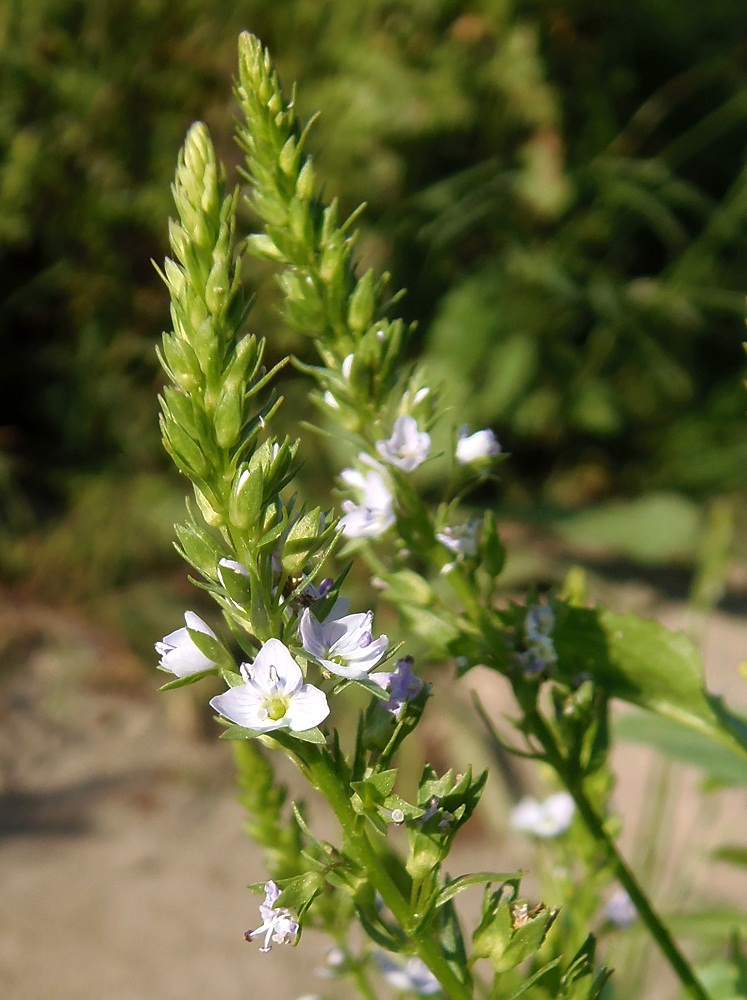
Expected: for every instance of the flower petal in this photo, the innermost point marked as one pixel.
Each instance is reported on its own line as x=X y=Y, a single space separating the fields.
x=287 y=677
x=307 y=709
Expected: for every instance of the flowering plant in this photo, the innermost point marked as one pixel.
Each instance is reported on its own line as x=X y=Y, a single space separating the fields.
x=294 y=649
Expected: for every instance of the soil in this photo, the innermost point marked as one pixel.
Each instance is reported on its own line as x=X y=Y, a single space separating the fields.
x=123 y=860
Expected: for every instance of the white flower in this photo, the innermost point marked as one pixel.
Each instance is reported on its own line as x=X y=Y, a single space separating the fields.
x=401 y=684
x=476 y=447
x=408 y=447
x=344 y=646
x=278 y=925
x=273 y=695
x=620 y=909
x=543 y=819
x=411 y=975
x=178 y=653
x=374 y=514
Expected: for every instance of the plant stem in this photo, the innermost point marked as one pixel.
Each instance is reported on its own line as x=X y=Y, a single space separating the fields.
x=322 y=775
x=595 y=825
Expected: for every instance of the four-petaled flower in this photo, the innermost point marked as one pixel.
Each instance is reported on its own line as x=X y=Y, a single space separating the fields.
x=478 y=447
x=374 y=513
x=543 y=819
x=273 y=695
x=401 y=684
x=408 y=447
x=344 y=646
x=179 y=655
x=278 y=924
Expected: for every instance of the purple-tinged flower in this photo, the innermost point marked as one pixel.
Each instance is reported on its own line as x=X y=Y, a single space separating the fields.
x=374 y=512
x=401 y=684
x=344 y=646
x=408 y=447
x=478 y=447
x=273 y=695
x=179 y=655
x=543 y=819
x=278 y=925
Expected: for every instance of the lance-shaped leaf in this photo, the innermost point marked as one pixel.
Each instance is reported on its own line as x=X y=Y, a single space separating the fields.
x=644 y=663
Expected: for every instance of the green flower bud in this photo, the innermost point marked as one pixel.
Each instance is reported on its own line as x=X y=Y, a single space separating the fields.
x=302 y=542
x=213 y=517
x=363 y=303
x=305 y=182
x=245 y=500
x=289 y=157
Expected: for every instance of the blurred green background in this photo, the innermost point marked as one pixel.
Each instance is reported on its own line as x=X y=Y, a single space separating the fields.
x=561 y=186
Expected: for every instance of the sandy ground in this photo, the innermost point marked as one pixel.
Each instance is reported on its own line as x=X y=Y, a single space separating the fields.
x=123 y=862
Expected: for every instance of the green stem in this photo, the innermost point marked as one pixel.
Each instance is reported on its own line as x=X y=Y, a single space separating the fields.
x=322 y=775
x=596 y=827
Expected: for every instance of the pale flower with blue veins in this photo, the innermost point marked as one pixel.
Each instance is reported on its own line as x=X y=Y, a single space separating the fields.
x=178 y=652
x=408 y=447
x=273 y=695
x=344 y=646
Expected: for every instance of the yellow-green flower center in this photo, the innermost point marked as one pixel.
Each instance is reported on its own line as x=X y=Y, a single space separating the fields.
x=276 y=707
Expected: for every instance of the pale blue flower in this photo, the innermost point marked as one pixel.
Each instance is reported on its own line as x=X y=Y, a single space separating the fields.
x=344 y=646
x=273 y=695
x=408 y=447
x=401 y=684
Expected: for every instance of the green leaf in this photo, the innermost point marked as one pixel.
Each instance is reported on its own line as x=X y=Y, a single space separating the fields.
x=651 y=529
x=380 y=784
x=713 y=923
x=475 y=878
x=234 y=732
x=314 y=735
x=212 y=648
x=644 y=663
x=733 y=854
x=533 y=979
x=296 y=893
x=185 y=681
x=681 y=743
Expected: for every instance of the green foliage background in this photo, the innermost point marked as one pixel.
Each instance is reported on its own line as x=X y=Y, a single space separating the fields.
x=562 y=188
